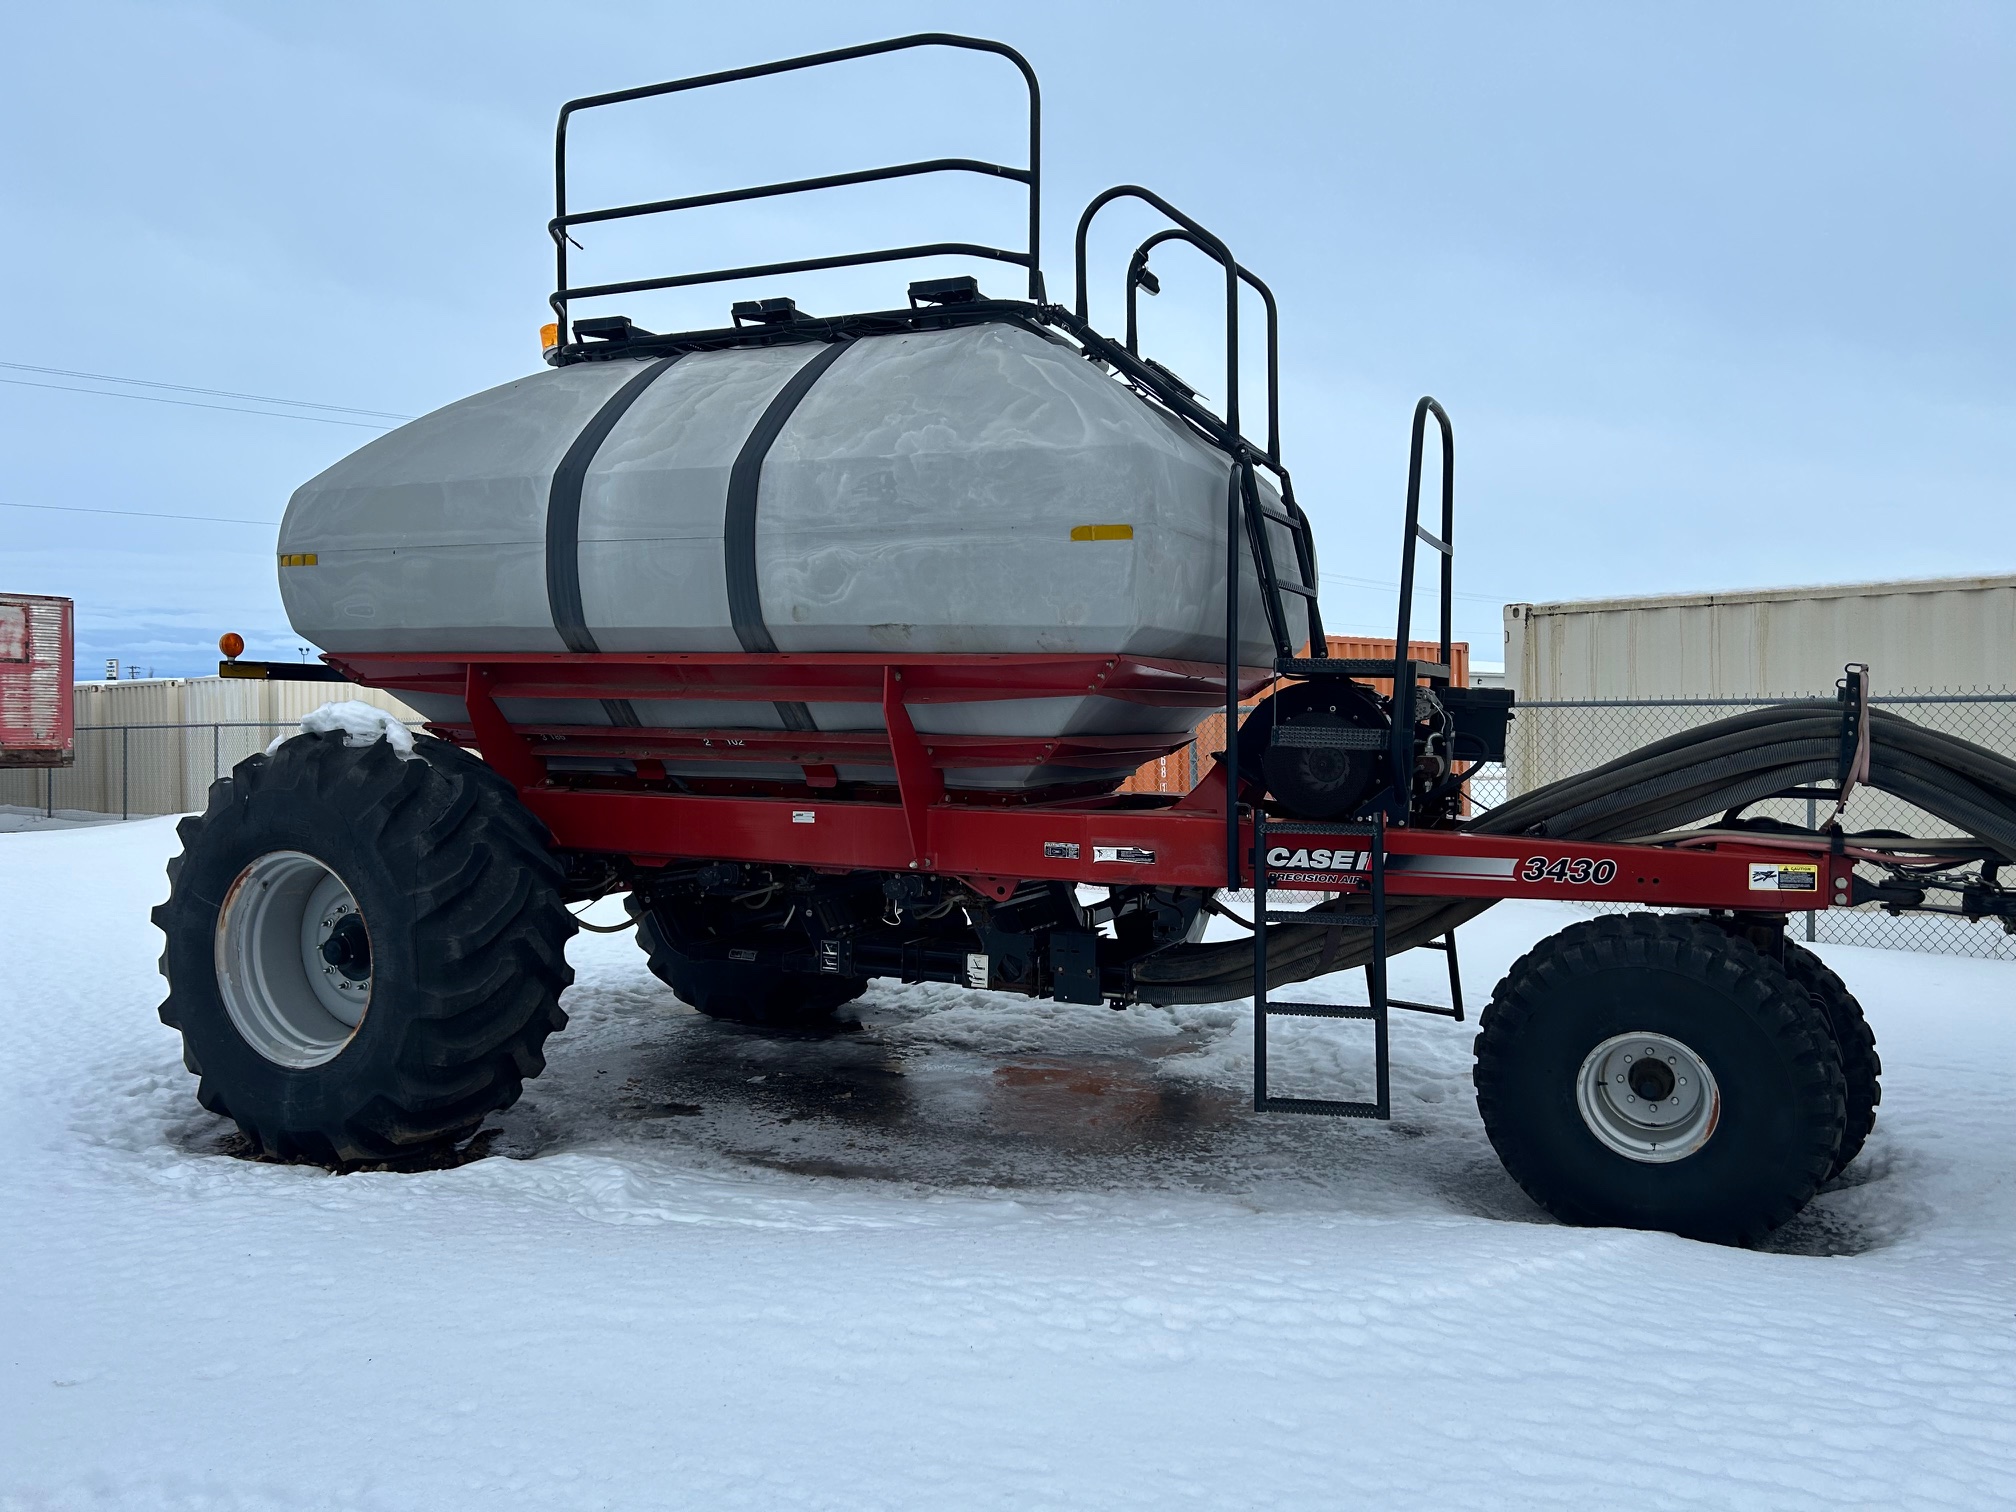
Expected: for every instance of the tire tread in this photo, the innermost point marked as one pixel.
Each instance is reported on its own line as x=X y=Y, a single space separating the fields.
x=488 y=926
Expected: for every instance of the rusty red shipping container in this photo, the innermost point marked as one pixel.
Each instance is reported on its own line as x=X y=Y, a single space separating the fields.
x=36 y=710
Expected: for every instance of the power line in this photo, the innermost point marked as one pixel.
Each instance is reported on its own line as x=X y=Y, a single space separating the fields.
x=1358 y=582
x=235 y=409
x=185 y=388
x=137 y=514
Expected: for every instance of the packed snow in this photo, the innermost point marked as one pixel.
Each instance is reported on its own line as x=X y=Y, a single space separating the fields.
x=974 y=1253
x=359 y=723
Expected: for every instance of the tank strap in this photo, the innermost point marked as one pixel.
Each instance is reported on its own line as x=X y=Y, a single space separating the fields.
x=563 y=525
x=738 y=526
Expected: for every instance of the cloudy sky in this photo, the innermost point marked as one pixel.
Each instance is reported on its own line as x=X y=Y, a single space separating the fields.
x=1717 y=296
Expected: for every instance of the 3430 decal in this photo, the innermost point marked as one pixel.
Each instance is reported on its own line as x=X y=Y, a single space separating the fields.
x=1576 y=870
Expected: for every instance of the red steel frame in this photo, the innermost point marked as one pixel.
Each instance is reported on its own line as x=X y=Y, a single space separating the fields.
x=1121 y=839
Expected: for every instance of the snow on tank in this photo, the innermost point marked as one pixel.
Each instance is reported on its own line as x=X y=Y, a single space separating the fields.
x=979 y=489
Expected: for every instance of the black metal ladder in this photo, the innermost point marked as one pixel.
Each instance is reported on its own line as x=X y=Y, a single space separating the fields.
x=1378 y=1004
x=1259 y=513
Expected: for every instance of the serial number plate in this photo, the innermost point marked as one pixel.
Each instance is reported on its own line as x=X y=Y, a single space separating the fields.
x=1576 y=871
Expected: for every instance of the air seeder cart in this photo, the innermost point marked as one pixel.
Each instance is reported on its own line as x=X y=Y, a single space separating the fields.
x=366 y=946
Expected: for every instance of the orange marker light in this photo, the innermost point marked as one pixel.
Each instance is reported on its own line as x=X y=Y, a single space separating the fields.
x=549 y=336
x=231 y=643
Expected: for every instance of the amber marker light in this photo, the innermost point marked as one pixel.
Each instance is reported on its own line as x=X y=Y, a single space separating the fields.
x=231 y=643
x=549 y=336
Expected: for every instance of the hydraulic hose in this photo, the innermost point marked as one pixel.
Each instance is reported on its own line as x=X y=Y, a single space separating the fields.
x=1666 y=785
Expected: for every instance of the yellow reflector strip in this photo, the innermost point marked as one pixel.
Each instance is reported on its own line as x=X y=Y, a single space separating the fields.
x=1102 y=532
x=549 y=337
x=297 y=559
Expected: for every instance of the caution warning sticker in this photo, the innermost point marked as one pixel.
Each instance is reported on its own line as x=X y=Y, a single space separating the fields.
x=1796 y=878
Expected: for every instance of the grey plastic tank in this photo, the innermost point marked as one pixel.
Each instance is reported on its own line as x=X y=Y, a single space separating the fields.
x=923 y=492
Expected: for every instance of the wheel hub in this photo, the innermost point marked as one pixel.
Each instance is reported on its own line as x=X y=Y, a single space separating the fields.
x=348 y=948
x=1648 y=1097
x=293 y=958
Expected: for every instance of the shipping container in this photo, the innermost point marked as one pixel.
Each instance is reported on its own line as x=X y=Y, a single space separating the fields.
x=1928 y=635
x=1599 y=678
x=36 y=705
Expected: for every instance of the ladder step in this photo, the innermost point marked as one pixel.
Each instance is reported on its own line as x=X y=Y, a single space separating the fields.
x=1359 y=666
x=1448 y=1013
x=1315 y=827
x=1350 y=666
x=1353 y=666
x=1307 y=593
x=1330 y=738
x=1326 y=1010
x=1280 y=515
x=1323 y=1107
x=1321 y=920
x=1306 y=666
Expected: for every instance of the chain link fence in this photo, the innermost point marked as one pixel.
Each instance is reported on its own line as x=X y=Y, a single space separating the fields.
x=133 y=771
x=1555 y=739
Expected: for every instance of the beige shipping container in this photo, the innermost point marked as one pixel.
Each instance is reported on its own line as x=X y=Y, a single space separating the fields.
x=1933 y=635
x=1596 y=679
x=153 y=746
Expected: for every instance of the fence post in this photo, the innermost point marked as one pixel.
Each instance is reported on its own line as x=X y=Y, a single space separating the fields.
x=49 y=792
x=125 y=771
x=216 y=752
x=1812 y=914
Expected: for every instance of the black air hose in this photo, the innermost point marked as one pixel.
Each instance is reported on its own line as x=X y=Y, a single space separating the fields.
x=1669 y=784
x=1622 y=804
x=1991 y=769
x=1689 y=808
x=1668 y=760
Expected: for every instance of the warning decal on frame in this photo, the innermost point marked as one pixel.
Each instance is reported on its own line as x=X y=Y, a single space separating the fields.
x=1797 y=878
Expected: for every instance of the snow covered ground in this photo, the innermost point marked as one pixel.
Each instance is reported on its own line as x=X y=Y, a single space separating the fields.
x=14 y=818
x=977 y=1253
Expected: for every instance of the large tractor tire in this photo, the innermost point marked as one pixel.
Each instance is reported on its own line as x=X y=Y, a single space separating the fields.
x=1861 y=1067
x=740 y=992
x=365 y=953
x=1650 y=1071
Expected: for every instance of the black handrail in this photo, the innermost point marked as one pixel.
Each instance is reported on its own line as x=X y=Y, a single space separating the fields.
x=1137 y=267
x=1235 y=483
x=793 y=186
x=1200 y=238
x=1137 y=279
x=1403 y=661
x=797 y=265
x=1244 y=505
x=1031 y=176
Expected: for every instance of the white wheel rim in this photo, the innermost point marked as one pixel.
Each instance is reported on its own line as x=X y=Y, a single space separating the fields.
x=1648 y=1097
x=293 y=996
